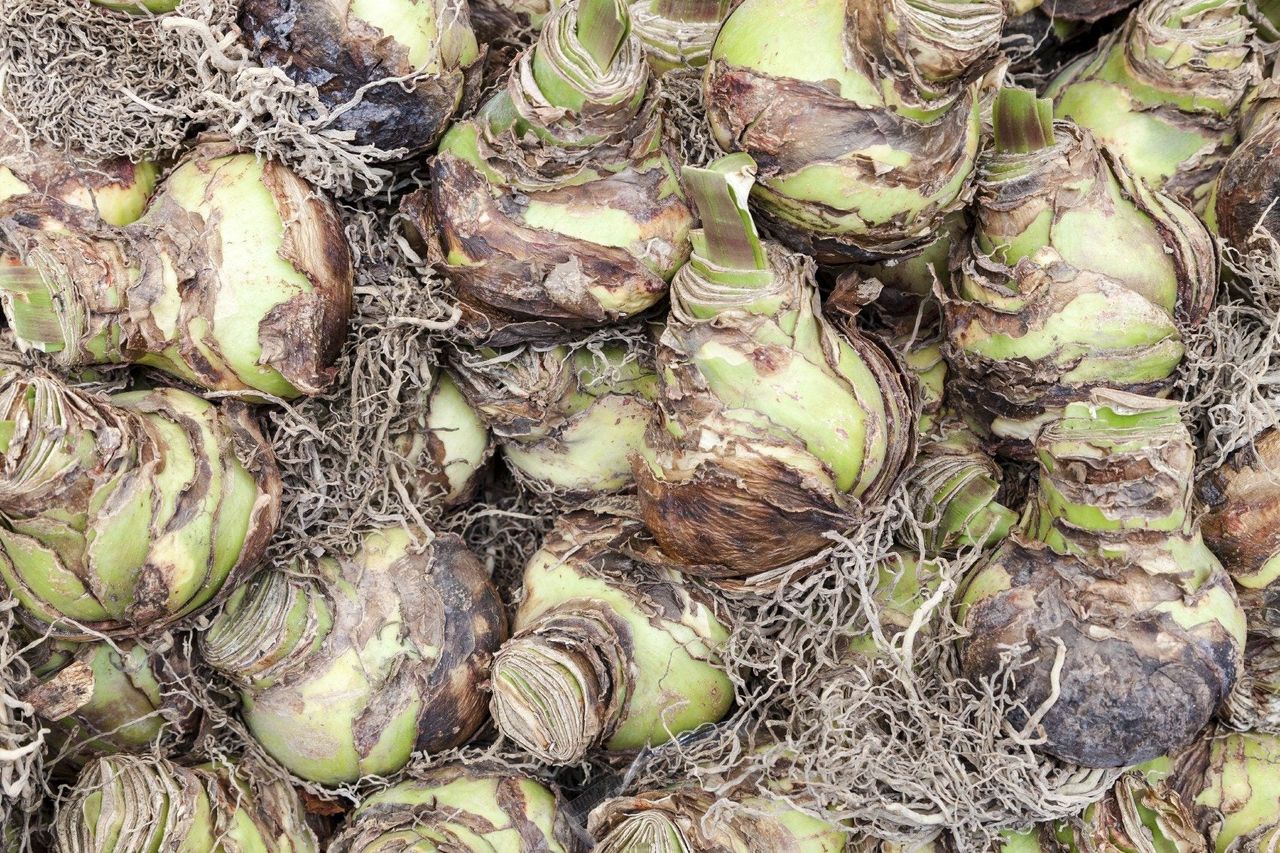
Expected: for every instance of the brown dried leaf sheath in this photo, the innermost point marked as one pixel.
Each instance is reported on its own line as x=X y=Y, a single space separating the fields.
x=523 y=284
x=1243 y=524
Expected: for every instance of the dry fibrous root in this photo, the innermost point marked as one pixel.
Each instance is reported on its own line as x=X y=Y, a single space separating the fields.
x=110 y=83
x=21 y=742
x=1229 y=379
x=342 y=469
x=886 y=736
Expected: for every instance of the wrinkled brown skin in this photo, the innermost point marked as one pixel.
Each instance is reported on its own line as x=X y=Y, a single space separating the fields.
x=375 y=820
x=339 y=54
x=300 y=338
x=788 y=124
x=1126 y=698
x=1242 y=526
x=152 y=611
x=1248 y=187
x=1085 y=10
x=525 y=284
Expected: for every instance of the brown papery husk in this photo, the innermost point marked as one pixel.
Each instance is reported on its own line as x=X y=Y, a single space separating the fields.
x=112 y=84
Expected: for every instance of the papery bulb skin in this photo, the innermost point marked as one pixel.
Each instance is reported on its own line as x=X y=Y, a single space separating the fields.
x=104 y=697
x=608 y=650
x=462 y=808
x=676 y=822
x=117 y=190
x=147 y=803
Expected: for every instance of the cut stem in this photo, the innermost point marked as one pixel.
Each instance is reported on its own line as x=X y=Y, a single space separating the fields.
x=1023 y=122
x=603 y=26
x=721 y=192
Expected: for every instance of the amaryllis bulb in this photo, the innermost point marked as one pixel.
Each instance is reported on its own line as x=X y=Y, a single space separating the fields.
x=557 y=207
x=124 y=514
x=1107 y=582
x=354 y=51
x=237 y=278
x=1162 y=92
x=773 y=428
x=347 y=665
x=864 y=116
x=1076 y=276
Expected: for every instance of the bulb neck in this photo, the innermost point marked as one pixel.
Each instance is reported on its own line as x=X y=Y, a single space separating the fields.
x=560 y=687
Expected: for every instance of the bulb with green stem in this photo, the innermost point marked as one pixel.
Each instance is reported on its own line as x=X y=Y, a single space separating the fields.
x=1163 y=91
x=1076 y=277
x=773 y=427
x=558 y=208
